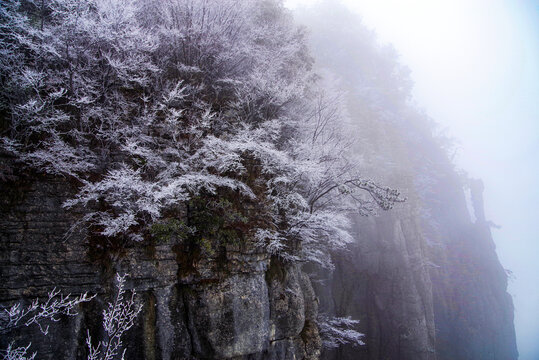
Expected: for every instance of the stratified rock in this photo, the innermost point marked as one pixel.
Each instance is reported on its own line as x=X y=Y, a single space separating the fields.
x=229 y=318
x=225 y=306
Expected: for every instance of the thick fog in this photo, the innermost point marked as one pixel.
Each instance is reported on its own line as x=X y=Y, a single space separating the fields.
x=475 y=65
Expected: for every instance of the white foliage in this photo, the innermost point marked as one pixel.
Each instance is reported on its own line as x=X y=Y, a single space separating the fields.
x=337 y=331
x=118 y=318
x=58 y=158
x=149 y=104
x=37 y=312
x=271 y=241
x=17 y=353
x=10 y=146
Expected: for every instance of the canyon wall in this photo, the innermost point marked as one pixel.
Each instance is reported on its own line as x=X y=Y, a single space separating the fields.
x=237 y=304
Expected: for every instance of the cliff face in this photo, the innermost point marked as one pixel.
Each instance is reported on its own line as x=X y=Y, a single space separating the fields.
x=237 y=304
x=176 y=158
x=423 y=279
x=473 y=311
x=425 y=288
x=383 y=281
x=419 y=293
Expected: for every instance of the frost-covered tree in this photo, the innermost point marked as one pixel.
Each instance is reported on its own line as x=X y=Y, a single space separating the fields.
x=155 y=107
x=17 y=353
x=37 y=312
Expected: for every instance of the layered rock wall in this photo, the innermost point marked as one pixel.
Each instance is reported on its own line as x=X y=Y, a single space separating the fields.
x=238 y=304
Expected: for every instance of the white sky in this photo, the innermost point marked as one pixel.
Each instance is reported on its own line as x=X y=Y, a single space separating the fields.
x=475 y=64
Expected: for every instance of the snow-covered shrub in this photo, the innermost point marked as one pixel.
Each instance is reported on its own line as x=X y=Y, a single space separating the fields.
x=17 y=353
x=337 y=331
x=118 y=317
x=38 y=313
x=148 y=104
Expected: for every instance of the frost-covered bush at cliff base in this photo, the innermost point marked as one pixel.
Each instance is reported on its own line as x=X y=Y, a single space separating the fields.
x=118 y=318
x=37 y=313
x=337 y=331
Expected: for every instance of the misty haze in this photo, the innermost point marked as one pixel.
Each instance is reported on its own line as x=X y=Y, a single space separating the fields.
x=269 y=179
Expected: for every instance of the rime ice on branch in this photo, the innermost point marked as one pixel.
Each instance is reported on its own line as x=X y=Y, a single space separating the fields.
x=148 y=105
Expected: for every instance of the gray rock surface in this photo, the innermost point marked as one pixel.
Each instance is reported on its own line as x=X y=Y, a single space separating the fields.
x=473 y=311
x=223 y=307
x=383 y=282
x=229 y=318
x=423 y=291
